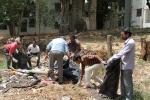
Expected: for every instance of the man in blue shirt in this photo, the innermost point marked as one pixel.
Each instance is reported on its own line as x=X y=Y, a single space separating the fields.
x=57 y=48
x=127 y=55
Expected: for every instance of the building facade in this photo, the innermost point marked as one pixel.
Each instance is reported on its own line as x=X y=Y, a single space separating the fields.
x=48 y=16
x=140 y=14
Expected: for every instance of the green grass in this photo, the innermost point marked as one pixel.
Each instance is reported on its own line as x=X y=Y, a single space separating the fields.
x=139 y=94
x=2 y=65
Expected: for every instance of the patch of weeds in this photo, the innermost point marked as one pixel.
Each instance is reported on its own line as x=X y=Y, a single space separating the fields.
x=140 y=62
x=2 y=65
x=146 y=82
x=146 y=95
x=138 y=95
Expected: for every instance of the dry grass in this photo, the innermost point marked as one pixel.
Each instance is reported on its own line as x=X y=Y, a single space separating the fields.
x=141 y=76
x=51 y=92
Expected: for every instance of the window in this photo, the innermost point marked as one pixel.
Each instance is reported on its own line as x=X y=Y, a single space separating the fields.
x=147 y=16
x=32 y=22
x=139 y=12
x=58 y=7
x=3 y=26
x=24 y=26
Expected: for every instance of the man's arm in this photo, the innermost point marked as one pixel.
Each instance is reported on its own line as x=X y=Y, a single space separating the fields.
x=122 y=52
x=29 y=48
x=48 y=49
x=12 y=50
x=49 y=46
x=82 y=71
x=67 y=50
x=78 y=49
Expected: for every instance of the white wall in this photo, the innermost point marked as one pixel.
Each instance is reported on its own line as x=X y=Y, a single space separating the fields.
x=139 y=21
x=145 y=24
x=4 y=32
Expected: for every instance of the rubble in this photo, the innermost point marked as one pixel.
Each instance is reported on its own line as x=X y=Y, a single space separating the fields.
x=35 y=84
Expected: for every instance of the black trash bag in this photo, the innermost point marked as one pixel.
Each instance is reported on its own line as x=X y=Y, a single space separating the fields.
x=23 y=61
x=110 y=83
x=71 y=71
x=65 y=64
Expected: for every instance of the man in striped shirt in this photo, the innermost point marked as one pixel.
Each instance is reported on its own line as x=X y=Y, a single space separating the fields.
x=88 y=64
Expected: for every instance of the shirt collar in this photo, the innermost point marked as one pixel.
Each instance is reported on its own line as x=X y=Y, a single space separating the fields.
x=127 y=41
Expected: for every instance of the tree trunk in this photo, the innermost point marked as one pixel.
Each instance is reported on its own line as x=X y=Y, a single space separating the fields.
x=37 y=20
x=92 y=14
x=64 y=24
x=12 y=30
x=19 y=24
x=71 y=15
x=76 y=20
x=127 y=13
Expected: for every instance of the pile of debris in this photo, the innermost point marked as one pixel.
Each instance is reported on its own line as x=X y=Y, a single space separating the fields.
x=19 y=79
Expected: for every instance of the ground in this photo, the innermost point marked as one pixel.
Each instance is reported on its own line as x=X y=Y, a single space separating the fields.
x=94 y=41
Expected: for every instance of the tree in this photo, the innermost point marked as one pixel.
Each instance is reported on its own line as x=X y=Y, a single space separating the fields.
x=148 y=4
x=11 y=12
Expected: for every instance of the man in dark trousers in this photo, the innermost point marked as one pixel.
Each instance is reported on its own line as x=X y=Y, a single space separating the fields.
x=127 y=56
x=57 y=48
x=34 y=50
x=9 y=49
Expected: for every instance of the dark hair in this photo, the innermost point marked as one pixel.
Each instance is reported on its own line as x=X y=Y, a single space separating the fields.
x=73 y=36
x=129 y=33
x=126 y=30
x=76 y=57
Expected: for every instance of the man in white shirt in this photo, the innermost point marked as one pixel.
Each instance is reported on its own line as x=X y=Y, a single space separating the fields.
x=34 y=50
x=127 y=55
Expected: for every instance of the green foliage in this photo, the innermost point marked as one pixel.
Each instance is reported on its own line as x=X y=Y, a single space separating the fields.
x=47 y=15
x=138 y=95
x=141 y=94
x=2 y=65
x=11 y=10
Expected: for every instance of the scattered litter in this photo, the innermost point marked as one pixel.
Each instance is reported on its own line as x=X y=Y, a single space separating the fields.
x=66 y=98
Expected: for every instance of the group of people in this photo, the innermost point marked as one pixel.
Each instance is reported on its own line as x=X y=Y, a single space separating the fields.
x=89 y=64
x=13 y=49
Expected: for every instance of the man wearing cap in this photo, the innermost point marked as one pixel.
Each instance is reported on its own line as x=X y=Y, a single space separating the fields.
x=9 y=49
x=127 y=55
x=57 y=48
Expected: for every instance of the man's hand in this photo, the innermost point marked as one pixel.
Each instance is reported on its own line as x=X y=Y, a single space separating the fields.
x=79 y=83
x=14 y=60
x=104 y=62
x=109 y=60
